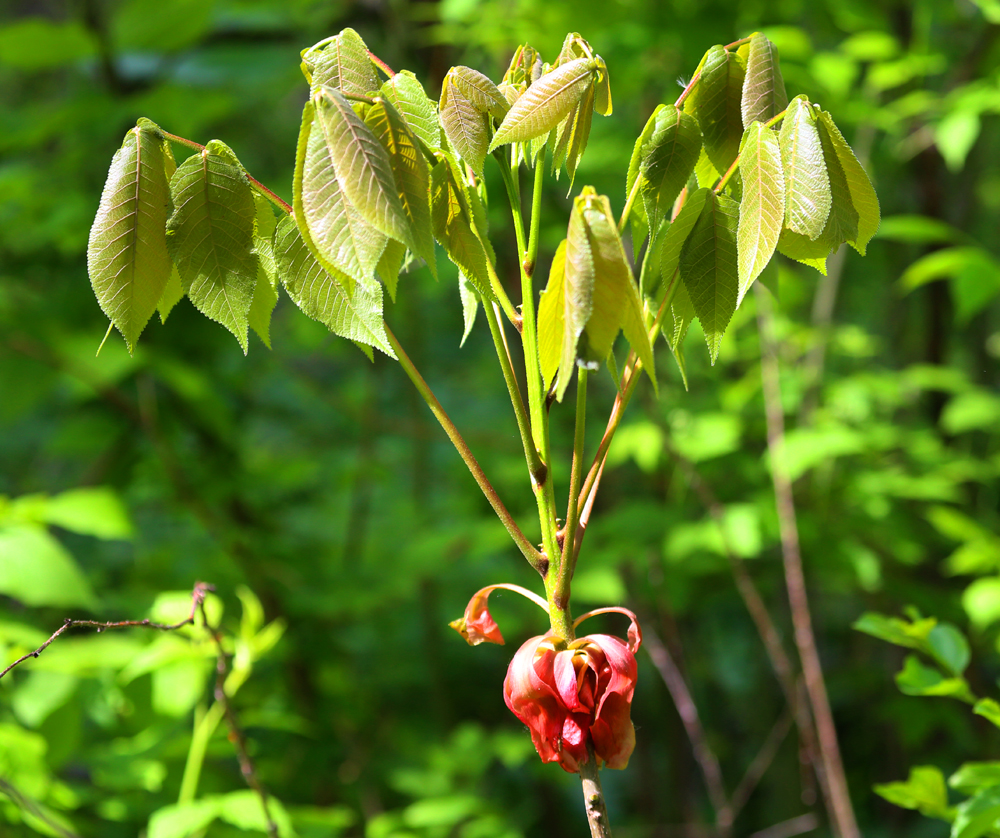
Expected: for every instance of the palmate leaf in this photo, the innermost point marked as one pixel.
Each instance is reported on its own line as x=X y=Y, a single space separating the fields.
x=762 y=210
x=708 y=266
x=363 y=167
x=333 y=228
x=127 y=254
x=265 y=293
x=546 y=102
x=342 y=62
x=411 y=173
x=551 y=314
x=210 y=236
x=666 y=160
x=466 y=126
x=322 y=296
x=455 y=227
x=863 y=197
x=716 y=102
x=407 y=96
x=764 y=95
x=807 y=184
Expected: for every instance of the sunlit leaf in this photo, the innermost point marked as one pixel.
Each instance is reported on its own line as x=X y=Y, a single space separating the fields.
x=602 y=89
x=412 y=175
x=407 y=96
x=342 y=62
x=863 y=196
x=762 y=210
x=551 y=312
x=480 y=90
x=764 y=93
x=470 y=305
x=544 y=105
x=127 y=255
x=572 y=135
x=677 y=234
x=390 y=264
x=578 y=288
x=265 y=293
x=716 y=102
x=683 y=313
x=807 y=184
x=666 y=160
x=321 y=295
x=363 y=167
x=708 y=266
x=455 y=228
x=95 y=511
x=36 y=570
x=341 y=238
x=173 y=293
x=924 y=791
x=637 y=215
x=466 y=126
x=210 y=236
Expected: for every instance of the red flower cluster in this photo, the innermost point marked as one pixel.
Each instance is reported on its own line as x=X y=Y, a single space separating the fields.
x=565 y=691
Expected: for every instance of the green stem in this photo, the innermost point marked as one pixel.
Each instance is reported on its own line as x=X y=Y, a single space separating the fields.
x=204 y=726
x=535 y=559
x=568 y=563
x=502 y=298
x=628 y=206
x=535 y=466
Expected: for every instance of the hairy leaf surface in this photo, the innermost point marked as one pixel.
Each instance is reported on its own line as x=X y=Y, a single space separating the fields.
x=807 y=184
x=716 y=102
x=210 y=236
x=863 y=196
x=342 y=62
x=406 y=95
x=546 y=103
x=362 y=165
x=708 y=266
x=321 y=294
x=762 y=210
x=666 y=160
x=127 y=255
x=466 y=126
x=480 y=90
x=764 y=95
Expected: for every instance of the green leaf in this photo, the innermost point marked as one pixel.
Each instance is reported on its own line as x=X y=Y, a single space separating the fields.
x=666 y=160
x=683 y=313
x=480 y=90
x=321 y=295
x=602 y=88
x=863 y=197
x=342 y=62
x=210 y=236
x=265 y=293
x=677 y=234
x=973 y=776
x=917 y=679
x=96 y=511
x=407 y=96
x=466 y=126
x=412 y=175
x=988 y=709
x=705 y=173
x=470 y=305
x=127 y=254
x=912 y=635
x=716 y=101
x=363 y=168
x=924 y=791
x=917 y=229
x=764 y=95
x=173 y=293
x=181 y=820
x=637 y=215
x=551 y=313
x=336 y=232
x=977 y=815
x=578 y=288
x=572 y=135
x=455 y=228
x=391 y=264
x=36 y=570
x=842 y=225
x=949 y=648
x=807 y=184
x=762 y=210
x=38 y=43
x=708 y=266
x=546 y=102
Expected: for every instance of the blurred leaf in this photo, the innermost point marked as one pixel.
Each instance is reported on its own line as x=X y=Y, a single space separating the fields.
x=917 y=229
x=988 y=709
x=97 y=511
x=949 y=647
x=161 y=27
x=37 y=43
x=912 y=635
x=41 y=694
x=243 y=809
x=36 y=570
x=977 y=815
x=924 y=791
x=974 y=410
x=441 y=811
x=981 y=601
x=177 y=686
x=975 y=775
x=917 y=679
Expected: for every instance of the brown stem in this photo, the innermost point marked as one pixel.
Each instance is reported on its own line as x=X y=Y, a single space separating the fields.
x=688 y=711
x=761 y=762
x=593 y=796
x=842 y=812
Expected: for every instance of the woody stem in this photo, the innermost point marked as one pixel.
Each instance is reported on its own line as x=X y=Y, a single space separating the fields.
x=593 y=796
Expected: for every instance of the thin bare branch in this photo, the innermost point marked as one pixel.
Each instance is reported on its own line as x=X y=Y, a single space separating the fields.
x=787 y=829
x=761 y=762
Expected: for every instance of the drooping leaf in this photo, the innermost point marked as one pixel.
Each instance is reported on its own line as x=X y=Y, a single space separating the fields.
x=637 y=215
x=842 y=224
x=705 y=172
x=602 y=88
x=764 y=93
x=480 y=90
x=265 y=293
x=173 y=293
x=676 y=235
x=363 y=167
x=342 y=62
x=407 y=96
x=551 y=313
x=683 y=313
x=391 y=264
x=863 y=196
x=666 y=160
x=578 y=287
x=470 y=305
x=716 y=102
x=321 y=294
x=333 y=228
x=210 y=236
x=803 y=249
x=455 y=228
x=127 y=256
x=762 y=210
x=708 y=266
x=572 y=135
x=412 y=175
x=546 y=103
x=807 y=183
x=466 y=126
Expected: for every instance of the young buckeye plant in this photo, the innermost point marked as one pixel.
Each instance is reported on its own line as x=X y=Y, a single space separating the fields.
x=717 y=182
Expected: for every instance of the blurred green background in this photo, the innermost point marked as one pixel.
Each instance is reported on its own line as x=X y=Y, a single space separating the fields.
x=314 y=490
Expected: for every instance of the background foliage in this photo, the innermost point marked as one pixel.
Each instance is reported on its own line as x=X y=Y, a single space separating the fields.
x=342 y=533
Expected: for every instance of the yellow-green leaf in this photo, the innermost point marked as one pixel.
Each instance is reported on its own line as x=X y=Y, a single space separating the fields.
x=551 y=312
x=342 y=62
x=407 y=96
x=863 y=195
x=807 y=183
x=466 y=126
x=764 y=93
x=480 y=90
x=762 y=210
x=666 y=160
x=716 y=102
